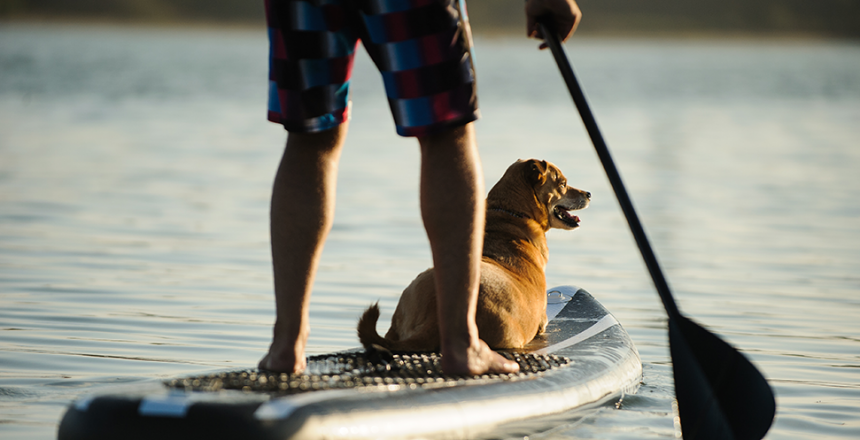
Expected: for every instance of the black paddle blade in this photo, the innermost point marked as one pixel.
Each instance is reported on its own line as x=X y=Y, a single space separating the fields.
x=721 y=395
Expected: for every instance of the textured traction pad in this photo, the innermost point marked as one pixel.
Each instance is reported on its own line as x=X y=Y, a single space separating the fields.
x=364 y=369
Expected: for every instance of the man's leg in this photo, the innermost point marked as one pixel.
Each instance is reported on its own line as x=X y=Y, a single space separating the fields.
x=453 y=210
x=302 y=212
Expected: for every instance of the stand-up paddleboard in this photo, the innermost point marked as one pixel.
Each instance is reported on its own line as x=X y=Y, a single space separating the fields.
x=585 y=358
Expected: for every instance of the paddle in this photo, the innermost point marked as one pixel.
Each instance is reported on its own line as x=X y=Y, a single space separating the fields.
x=720 y=394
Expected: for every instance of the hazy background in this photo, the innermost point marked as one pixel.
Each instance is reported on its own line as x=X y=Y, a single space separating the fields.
x=819 y=18
x=136 y=168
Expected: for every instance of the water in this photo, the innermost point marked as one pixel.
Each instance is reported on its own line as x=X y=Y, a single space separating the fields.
x=136 y=166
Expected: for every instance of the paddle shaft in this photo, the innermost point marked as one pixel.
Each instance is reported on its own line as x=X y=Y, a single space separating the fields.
x=612 y=173
x=721 y=395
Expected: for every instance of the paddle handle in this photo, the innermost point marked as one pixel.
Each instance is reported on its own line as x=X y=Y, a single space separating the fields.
x=636 y=228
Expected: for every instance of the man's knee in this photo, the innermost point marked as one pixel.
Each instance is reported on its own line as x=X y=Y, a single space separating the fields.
x=457 y=138
x=319 y=142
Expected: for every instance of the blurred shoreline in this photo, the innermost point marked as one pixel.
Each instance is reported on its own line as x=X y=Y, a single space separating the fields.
x=486 y=32
x=748 y=19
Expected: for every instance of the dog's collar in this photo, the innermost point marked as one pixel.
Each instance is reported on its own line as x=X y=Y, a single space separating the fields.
x=513 y=213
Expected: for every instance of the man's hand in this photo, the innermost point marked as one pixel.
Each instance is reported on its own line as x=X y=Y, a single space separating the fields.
x=562 y=15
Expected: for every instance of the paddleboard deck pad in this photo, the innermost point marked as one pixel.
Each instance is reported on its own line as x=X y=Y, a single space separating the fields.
x=585 y=358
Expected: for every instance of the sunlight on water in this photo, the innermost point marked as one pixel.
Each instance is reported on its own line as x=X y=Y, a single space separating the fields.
x=136 y=165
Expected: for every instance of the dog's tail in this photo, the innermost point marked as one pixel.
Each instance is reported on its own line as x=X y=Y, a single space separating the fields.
x=371 y=340
x=367 y=334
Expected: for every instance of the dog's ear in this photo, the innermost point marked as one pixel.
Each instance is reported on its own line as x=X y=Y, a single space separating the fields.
x=535 y=171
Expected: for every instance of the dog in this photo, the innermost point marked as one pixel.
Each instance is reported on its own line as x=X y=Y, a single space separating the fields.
x=531 y=198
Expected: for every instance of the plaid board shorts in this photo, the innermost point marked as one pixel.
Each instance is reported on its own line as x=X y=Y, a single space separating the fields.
x=421 y=48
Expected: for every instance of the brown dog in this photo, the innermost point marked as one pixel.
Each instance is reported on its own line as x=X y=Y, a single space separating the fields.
x=530 y=198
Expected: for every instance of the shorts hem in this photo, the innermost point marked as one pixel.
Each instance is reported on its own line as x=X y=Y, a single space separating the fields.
x=314 y=125
x=438 y=127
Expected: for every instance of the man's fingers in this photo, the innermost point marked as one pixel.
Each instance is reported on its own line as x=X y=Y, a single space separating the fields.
x=564 y=16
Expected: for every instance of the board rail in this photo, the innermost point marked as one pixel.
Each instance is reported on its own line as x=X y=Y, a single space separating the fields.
x=584 y=359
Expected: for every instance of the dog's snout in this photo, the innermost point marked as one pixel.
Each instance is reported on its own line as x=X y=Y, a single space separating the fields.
x=588 y=195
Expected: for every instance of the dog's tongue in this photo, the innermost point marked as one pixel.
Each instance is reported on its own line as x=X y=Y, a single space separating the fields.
x=567 y=217
x=571 y=216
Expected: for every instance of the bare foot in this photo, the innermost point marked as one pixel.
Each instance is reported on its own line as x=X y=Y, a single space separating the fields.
x=475 y=360
x=282 y=364
x=286 y=354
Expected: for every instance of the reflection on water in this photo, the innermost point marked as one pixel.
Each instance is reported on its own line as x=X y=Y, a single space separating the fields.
x=135 y=169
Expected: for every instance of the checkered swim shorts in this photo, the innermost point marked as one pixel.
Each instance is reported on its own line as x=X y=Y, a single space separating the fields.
x=421 y=48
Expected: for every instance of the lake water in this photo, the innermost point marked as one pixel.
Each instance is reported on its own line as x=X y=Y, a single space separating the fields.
x=135 y=174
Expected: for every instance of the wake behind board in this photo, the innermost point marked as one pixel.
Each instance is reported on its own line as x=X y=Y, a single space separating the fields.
x=585 y=358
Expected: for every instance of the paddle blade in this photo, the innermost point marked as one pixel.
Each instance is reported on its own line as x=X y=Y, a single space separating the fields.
x=721 y=395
